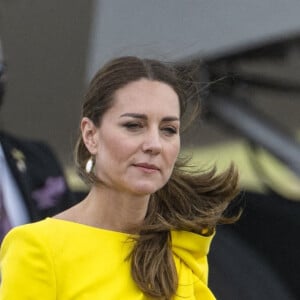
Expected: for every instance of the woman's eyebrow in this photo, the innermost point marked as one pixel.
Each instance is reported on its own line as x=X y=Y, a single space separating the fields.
x=134 y=115
x=144 y=117
x=170 y=118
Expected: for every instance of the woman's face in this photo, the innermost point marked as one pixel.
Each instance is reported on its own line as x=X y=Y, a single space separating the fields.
x=137 y=142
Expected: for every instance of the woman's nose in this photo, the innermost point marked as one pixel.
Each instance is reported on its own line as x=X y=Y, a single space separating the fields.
x=152 y=142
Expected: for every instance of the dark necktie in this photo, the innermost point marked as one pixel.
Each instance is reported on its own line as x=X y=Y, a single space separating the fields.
x=5 y=225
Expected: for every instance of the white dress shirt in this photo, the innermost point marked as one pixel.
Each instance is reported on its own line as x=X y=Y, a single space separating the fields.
x=13 y=200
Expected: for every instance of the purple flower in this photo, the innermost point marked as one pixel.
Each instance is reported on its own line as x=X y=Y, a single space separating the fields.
x=48 y=195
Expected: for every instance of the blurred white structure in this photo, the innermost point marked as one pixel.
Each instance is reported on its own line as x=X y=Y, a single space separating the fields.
x=172 y=29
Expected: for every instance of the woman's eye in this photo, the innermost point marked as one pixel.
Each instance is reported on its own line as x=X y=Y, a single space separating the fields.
x=170 y=130
x=133 y=126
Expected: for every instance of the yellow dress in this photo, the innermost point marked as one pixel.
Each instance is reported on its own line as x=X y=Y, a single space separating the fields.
x=62 y=260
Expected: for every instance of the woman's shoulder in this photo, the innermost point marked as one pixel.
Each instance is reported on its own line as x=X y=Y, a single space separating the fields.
x=56 y=233
x=184 y=241
x=36 y=227
x=24 y=240
x=27 y=232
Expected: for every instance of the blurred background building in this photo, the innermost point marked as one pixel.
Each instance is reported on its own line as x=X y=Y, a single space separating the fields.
x=251 y=49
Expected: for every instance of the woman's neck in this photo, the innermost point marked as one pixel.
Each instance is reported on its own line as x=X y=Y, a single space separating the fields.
x=109 y=209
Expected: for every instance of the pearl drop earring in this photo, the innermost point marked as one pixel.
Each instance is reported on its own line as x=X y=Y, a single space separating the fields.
x=89 y=165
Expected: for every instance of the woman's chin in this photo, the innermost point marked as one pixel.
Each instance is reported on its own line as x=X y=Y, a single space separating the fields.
x=146 y=189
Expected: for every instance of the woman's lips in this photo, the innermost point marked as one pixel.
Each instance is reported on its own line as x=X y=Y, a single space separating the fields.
x=148 y=168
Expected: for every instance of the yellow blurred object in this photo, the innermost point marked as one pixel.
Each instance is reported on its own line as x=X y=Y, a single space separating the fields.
x=275 y=174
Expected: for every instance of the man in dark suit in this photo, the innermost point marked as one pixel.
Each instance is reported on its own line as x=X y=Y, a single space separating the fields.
x=32 y=184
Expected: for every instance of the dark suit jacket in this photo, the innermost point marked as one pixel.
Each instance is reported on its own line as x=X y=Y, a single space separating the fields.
x=38 y=175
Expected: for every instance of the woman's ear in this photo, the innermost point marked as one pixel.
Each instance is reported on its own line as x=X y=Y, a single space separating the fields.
x=89 y=135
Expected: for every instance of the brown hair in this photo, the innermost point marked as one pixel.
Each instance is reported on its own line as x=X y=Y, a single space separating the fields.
x=191 y=200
